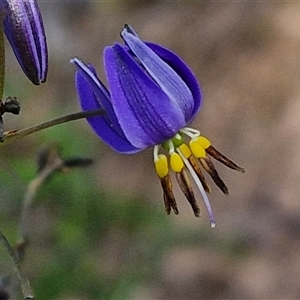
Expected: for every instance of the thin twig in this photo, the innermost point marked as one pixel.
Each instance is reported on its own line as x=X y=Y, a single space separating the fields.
x=49 y=162
x=29 y=196
x=23 y=281
x=17 y=252
x=55 y=165
x=17 y=134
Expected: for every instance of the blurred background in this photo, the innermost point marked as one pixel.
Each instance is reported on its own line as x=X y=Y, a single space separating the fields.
x=101 y=232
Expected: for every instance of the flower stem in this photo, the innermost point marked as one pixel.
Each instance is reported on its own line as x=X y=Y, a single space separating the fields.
x=23 y=281
x=12 y=135
x=2 y=60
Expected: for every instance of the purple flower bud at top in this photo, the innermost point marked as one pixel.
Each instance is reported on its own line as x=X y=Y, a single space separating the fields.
x=24 y=29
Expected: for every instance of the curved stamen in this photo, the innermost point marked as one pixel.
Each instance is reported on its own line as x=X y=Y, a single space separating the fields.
x=200 y=187
x=177 y=136
x=171 y=147
x=155 y=152
x=191 y=132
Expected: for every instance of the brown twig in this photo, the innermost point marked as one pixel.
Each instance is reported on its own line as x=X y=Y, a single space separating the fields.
x=49 y=162
x=23 y=281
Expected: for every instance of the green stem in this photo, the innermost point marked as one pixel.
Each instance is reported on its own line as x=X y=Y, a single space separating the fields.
x=24 y=283
x=2 y=60
x=17 y=134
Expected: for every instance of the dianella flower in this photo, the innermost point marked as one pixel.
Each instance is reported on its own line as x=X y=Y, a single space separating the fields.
x=152 y=98
x=23 y=26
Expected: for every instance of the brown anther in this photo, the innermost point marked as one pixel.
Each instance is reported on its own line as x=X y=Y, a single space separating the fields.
x=195 y=165
x=223 y=159
x=186 y=188
x=169 y=198
x=211 y=170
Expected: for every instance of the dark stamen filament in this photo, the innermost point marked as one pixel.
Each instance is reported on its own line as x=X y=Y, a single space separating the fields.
x=192 y=160
x=169 y=198
x=186 y=188
x=223 y=159
x=211 y=170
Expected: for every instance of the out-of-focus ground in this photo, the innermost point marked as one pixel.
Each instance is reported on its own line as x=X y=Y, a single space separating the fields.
x=246 y=56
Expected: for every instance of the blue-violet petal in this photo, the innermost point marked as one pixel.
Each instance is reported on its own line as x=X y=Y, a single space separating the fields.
x=92 y=95
x=184 y=72
x=169 y=81
x=145 y=112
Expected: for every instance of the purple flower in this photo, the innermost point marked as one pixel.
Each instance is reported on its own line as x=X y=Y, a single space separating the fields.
x=152 y=97
x=24 y=29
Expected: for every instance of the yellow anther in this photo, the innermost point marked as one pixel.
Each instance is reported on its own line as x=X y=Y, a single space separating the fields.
x=176 y=162
x=204 y=142
x=185 y=150
x=161 y=166
x=197 y=148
